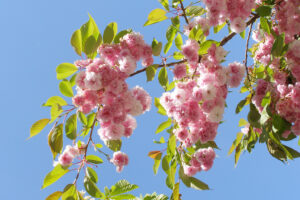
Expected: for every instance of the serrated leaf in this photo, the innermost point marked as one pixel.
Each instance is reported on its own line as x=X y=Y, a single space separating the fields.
x=171 y=33
x=71 y=127
x=76 y=41
x=65 y=88
x=55 y=140
x=121 y=187
x=55 y=100
x=94 y=159
x=38 y=126
x=91 y=188
x=123 y=196
x=65 y=70
x=164 y=125
x=155 y=16
x=110 y=32
x=163 y=77
x=91 y=174
x=151 y=71
x=114 y=145
x=54 y=175
x=54 y=196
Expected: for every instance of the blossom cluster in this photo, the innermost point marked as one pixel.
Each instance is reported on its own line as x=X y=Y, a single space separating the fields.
x=198 y=101
x=218 y=11
x=68 y=155
x=120 y=160
x=102 y=84
x=203 y=159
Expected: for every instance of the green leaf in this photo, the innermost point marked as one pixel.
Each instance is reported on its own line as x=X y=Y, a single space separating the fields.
x=236 y=142
x=65 y=70
x=205 y=46
x=70 y=193
x=163 y=77
x=82 y=118
x=264 y=11
x=195 y=11
x=171 y=33
x=71 y=127
x=76 y=42
x=65 y=88
x=170 y=86
x=94 y=159
x=198 y=185
x=114 y=145
x=240 y=106
x=242 y=122
x=110 y=32
x=54 y=175
x=266 y=100
x=278 y=45
x=55 y=112
x=164 y=125
x=91 y=174
x=253 y=116
x=178 y=41
x=151 y=71
x=54 y=196
x=243 y=34
x=175 y=193
x=165 y=4
x=165 y=164
x=91 y=45
x=155 y=16
x=167 y=47
x=178 y=56
x=275 y=150
x=91 y=188
x=121 y=187
x=264 y=25
x=161 y=140
x=121 y=34
x=73 y=80
x=123 y=196
x=171 y=145
x=55 y=140
x=293 y=152
x=219 y=27
x=91 y=119
x=237 y=155
x=55 y=100
x=161 y=109
x=157 y=160
x=156 y=47
x=38 y=126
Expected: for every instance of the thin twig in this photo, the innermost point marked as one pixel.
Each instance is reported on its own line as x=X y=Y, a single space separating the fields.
x=183 y=12
x=246 y=53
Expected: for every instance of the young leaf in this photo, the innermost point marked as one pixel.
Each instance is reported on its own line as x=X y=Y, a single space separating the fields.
x=154 y=154
x=94 y=159
x=164 y=125
x=91 y=174
x=161 y=109
x=178 y=41
x=54 y=196
x=264 y=25
x=54 y=175
x=175 y=193
x=198 y=185
x=121 y=34
x=92 y=188
x=151 y=71
x=71 y=127
x=38 y=126
x=264 y=11
x=156 y=47
x=195 y=11
x=114 y=145
x=65 y=70
x=155 y=16
x=121 y=187
x=165 y=4
x=55 y=140
x=163 y=77
x=219 y=27
x=171 y=33
x=70 y=193
x=240 y=106
x=55 y=100
x=157 y=160
x=278 y=45
x=82 y=118
x=110 y=32
x=167 y=47
x=76 y=41
x=171 y=145
x=55 y=112
x=123 y=196
x=65 y=88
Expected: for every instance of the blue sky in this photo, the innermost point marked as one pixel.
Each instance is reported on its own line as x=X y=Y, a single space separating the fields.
x=35 y=38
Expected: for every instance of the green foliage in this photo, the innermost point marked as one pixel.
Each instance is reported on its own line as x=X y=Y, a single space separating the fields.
x=156 y=47
x=55 y=100
x=151 y=71
x=265 y=25
x=54 y=175
x=92 y=188
x=165 y=4
x=65 y=70
x=121 y=187
x=164 y=125
x=121 y=34
x=161 y=109
x=110 y=32
x=65 y=88
x=195 y=11
x=278 y=46
x=38 y=126
x=178 y=41
x=219 y=27
x=70 y=193
x=114 y=145
x=94 y=159
x=71 y=127
x=54 y=196
x=163 y=77
x=55 y=140
x=192 y=182
x=91 y=174
x=263 y=11
x=155 y=16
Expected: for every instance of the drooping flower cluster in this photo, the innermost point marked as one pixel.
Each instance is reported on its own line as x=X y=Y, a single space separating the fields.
x=102 y=84
x=237 y=11
x=203 y=159
x=120 y=160
x=198 y=100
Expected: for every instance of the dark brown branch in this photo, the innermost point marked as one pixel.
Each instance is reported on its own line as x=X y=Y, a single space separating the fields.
x=183 y=12
x=246 y=53
x=159 y=66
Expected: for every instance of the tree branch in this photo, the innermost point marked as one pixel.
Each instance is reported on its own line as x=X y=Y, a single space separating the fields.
x=183 y=11
x=246 y=53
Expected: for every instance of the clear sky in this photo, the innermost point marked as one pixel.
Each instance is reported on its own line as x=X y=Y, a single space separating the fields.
x=35 y=38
